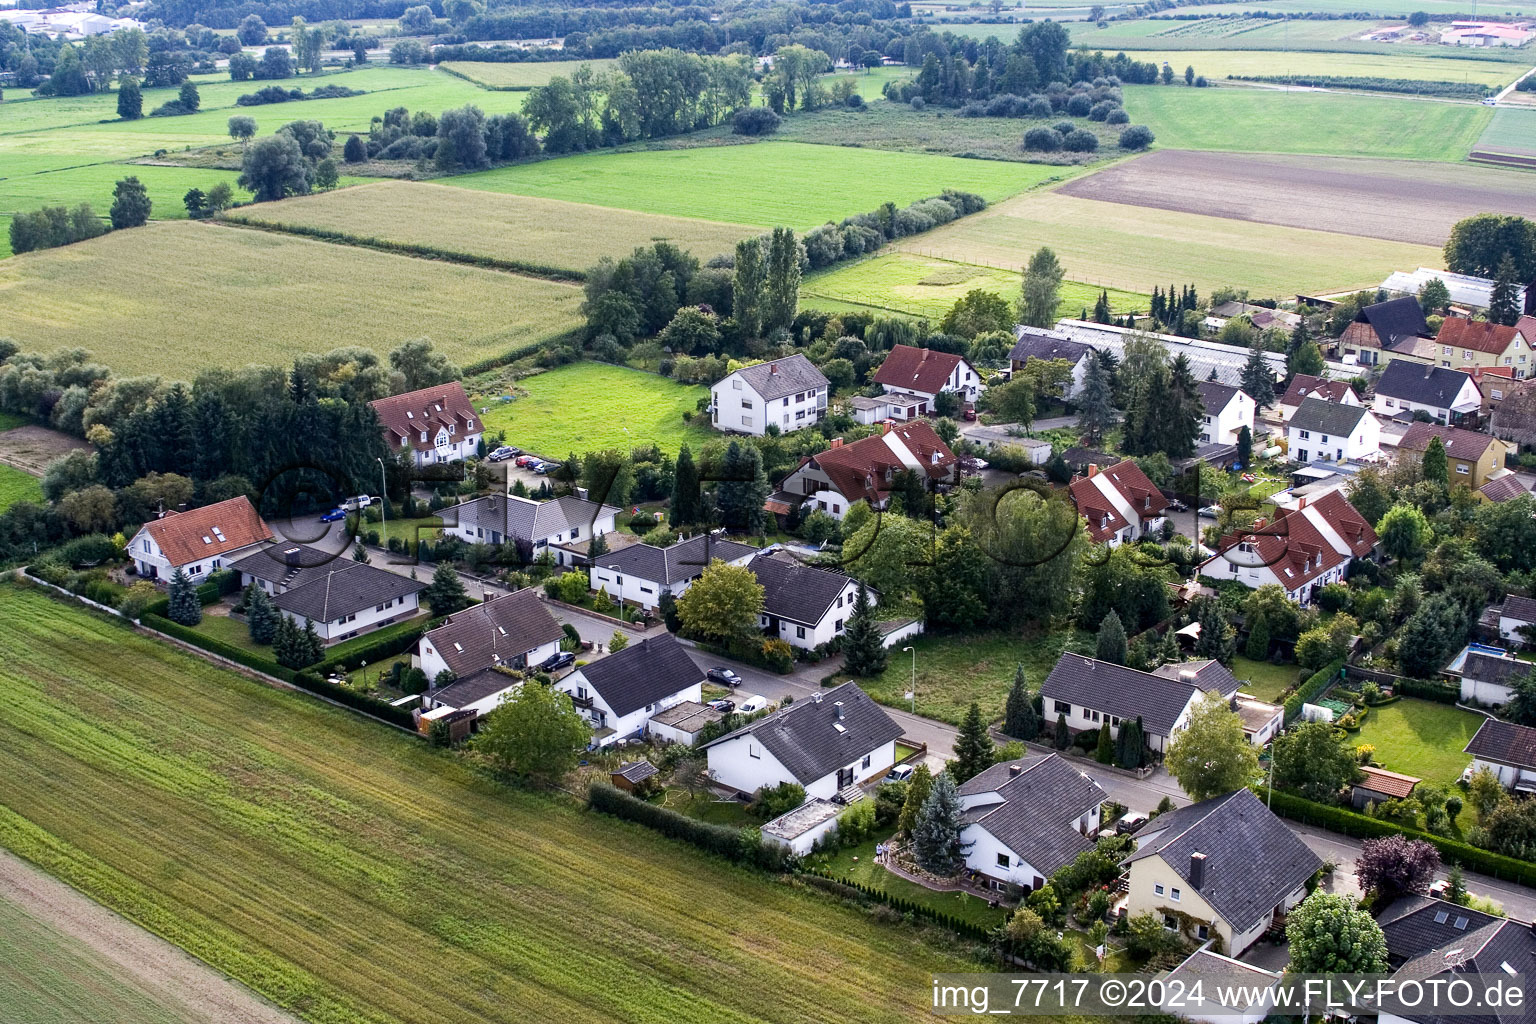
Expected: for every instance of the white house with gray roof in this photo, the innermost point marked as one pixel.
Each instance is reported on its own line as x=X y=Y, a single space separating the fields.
x=619 y=694
x=788 y=393
x=563 y=526
x=1088 y=692
x=827 y=743
x=1228 y=410
x=641 y=573
x=1027 y=818
x=1322 y=431
x=1227 y=865
x=802 y=605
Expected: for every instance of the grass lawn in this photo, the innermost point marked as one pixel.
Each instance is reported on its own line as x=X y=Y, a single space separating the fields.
x=588 y=406
x=1133 y=248
x=858 y=863
x=707 y=808
x=18 y=485
x=903 y=752
x=905 y=282
x=149 y=300
x=1264 y=680
x=532 y=232
x=763 y=184
x=954 y=671
x=1420 y=737
x=308 y=853
x=231 y=631
x=1247 y=120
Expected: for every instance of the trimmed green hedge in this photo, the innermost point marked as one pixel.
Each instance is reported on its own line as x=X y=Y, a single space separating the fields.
x=217 y=586
x=1337 y=819
x=957 y=925
x=734 y=844
x=1429 y=689
x=374 y=647
x=1313 y=687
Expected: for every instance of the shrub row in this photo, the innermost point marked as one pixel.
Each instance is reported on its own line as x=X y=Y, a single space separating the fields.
x=867 y=232
x=1337 y=819
x=218 y=584
x=955 y=924
x=430 y=252
x=1307 y=691
x=374 y=647
x=569 y=338
x=277 y=94
x=1437 y=690
x=1415 y=86
x=740 y=845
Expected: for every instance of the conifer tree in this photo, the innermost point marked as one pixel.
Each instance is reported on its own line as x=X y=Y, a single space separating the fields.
x=1503 y=302
x=1019 y=718
x=1063 y=736
x=918 y=788
x=685 y=507
x=863 y=646
x=260 y=615
x=1095 y=405
x=973 y=747
x=1111 y=642
x=1105 y=753
x=184 y=606
x=936 y=835
x=1258 y=378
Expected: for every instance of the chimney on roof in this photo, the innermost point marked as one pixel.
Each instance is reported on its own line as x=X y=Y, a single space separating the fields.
x=1197 y=870
x=1301 y=502
x=837 y=706
x=291 y=556
x=1093 y=470
x=1015 y=769
x=837 y=442
x=885 y=427
x=815 y=698
x=926 y=354
x=773 y=368
x=1187 y=675
x=182 y=507
x=1258 y=524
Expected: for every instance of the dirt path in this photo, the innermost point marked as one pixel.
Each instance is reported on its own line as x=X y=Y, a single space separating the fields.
x=158 y=967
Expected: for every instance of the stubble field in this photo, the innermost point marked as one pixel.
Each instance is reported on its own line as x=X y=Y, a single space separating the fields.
x=353 y=874
x=1397 y=201
x=175 y=298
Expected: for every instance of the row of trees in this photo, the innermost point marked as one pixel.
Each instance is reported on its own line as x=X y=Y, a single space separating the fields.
x=53 y=226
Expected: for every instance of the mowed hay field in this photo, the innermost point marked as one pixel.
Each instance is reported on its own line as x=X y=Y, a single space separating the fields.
x=174 y=298
x=764 y=184
x=518 y=75
x=587 y=406
x=1135 y=248
x=904 y=282
x=1404 y=201
x=524 y=229
x=18 y=485
x=1245 y=119
x=353 y=874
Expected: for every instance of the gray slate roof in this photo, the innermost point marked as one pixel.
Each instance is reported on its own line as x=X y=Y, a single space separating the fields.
x=1414 y=925
x=1116 y=690
x=780 y=377
x=1504 y=743
x=1216 y=395
x=797 y=592
x=642 y=673
x=1518 y=607
x=1395 y=320
x=1040 y=801
x=1489 y=668
x=1252 y=859
x=805 y=736
x=476 y=686
x=682 y=561
x=1332 y=418
x=508 y=627
x=346 y=587
x=636 y=771
x=526 y=519
x=1407 y=381
x=288 y=565
x=1040 y=343
x=1484 y=951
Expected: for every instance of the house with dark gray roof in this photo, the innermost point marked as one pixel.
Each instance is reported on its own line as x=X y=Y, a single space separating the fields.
x=802 y=605
x=345 y=599
x=620 y=693
x=561 y=526
x=514 y=632
x=1043 y=343
x=1513 y=614
x=1487 y=678
x=1320 y=431
x=1413 y=925
x=1407 y=387
x=1088 y=693
x=1501 y=948
x=1025 y=819
x=1228 y=409
x=478 y=693
x=830 y=743
x=1508 y=750
x=1227 y=863
x=788 y=393
x=641 y=573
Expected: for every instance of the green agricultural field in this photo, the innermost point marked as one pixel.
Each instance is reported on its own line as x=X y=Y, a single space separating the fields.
x=174 y=298
x=1420 y=737
x=17 y=485
x=1512 y=130
x=321 y=859
x=527 y=230
x=764 y=184
x=1236 y=32
x=904 y=282
x=1242 y=62
x=953 y=671
x=1248 y=120
x=589 y=406
x=518 y=75
x=1380 y=8
x=1135 y=248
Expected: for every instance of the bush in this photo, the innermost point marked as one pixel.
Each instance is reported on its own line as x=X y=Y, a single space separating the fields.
x=1042 y=140
x=754 y=121
x=918 y=103
x=1118 y=116
x=1100 y=111
x=1039 y=106
x=744 y=846
x=1063 y=127
x=1080 y=140
x=1137 y=136
x=1079 y=105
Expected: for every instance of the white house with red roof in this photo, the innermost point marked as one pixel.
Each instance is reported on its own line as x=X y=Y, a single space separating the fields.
x=1301 y=549
x=199 y=541
x=865 y=470
x=922 y=373
x=437 y=424
x=1119 y=503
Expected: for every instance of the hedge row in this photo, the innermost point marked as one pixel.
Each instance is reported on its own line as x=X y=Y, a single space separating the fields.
x=218 y=585
x=1309 y=690
x=957 y=925
x=731 y=843
x=1337 y=819
x=374 y=647
x=572 y=338
x=307 y=679
x=1428 y=689
x=1414 y=86
x=430 y=252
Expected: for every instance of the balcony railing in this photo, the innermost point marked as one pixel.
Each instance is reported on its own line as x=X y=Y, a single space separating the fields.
x=582 y=702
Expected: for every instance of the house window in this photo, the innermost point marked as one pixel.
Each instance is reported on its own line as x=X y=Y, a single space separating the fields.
x=865 y=763
x=1175 y=894
x=1306 y=435
x=1002 y=860
x=736 y=383
x=1061 y=707
x=754 y=751
x=146 y=543
x=1202 y=932
x=837 y=627
x=1391 y=404
x=1157 y=890
x=746 y=403
x=799 y=632
x=619 y=581
x=746 y=421
x=1169 y=923
x=1461 y=467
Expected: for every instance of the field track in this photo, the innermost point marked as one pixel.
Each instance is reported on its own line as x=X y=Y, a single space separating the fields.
x=1396 y=201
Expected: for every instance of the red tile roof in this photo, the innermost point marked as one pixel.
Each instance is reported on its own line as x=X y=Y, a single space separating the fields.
x=863 y=468
x=1304 y=386
x=405 y=416
x=1349 y=524
x=1392 y=784
x=1132 y=485
x=1476 y=335
x=1293 y=547
x=917 y=369
x=185 y=537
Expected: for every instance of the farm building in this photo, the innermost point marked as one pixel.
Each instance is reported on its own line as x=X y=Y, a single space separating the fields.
x=1486 y=33
x=1465 y=290
x=199 y=541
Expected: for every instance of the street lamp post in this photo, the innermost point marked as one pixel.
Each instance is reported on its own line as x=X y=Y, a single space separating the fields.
x=913 y=693
x=383 y=503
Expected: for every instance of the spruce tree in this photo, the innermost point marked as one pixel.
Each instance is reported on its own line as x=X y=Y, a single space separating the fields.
x=918 y=788
x=1095 y=405
x=184 y=606
x=685 y=507
x=1244 y=446
x=1106 y=749
x=973 y=747
x=1063 y=736
x=936 y=835
x=863 y=646
x=1503 y=302
x=312 y=647
x=285 y=643
x=1019 y=718
x=1177 y=412
x=1258 y=378
x=445 y=594
x=1128 y=744
x=260 y=615
x=1112 y=642
x=1433 y=465
x=1218 y=640
x=1257 y=648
